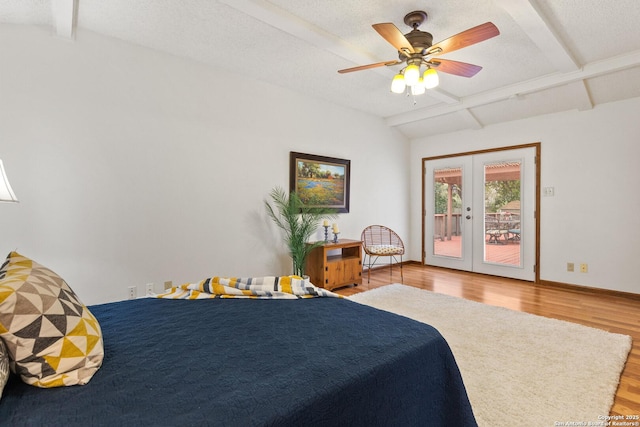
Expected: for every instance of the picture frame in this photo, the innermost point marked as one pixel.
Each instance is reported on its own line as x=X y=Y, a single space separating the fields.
x=320 y=181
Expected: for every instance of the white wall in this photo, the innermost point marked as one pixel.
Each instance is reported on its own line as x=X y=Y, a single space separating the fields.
x=134 y=166
x=591 y=159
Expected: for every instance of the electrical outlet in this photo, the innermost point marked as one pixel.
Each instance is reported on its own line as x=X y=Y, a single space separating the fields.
x=133 y=292
x=168 y=284
x=584 y=268
x=570 y=267
x=150 y=289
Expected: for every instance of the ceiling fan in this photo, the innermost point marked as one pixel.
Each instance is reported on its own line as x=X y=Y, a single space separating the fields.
x=416 y=49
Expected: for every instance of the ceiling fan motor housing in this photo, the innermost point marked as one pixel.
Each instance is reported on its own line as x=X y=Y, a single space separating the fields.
x=420 y=40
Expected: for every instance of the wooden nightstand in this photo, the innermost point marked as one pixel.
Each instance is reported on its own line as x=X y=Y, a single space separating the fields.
x=334 y=265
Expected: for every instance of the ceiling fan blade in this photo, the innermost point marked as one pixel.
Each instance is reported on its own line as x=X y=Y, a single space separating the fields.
x=392 y=34
x=454 y=67
x=466 y=38
x=366 y=67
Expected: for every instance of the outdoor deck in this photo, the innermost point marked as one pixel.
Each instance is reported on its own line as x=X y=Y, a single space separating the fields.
x=507 y=253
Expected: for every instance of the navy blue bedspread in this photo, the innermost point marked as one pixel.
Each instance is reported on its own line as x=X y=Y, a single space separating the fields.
x=232 y=362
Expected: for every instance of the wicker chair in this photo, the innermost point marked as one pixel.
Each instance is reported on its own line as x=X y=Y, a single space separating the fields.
x=380 y=241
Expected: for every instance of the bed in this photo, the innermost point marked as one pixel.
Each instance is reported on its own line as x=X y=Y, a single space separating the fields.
x=254 y=362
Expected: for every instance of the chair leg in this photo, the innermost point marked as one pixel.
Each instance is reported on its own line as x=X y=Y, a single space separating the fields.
x=368 y=267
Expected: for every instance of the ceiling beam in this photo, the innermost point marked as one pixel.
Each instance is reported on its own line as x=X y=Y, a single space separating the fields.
x=65 y=18
x=471 y=120
x=530 y=18
x=581 y=99
x=605 y=66
x=289 y=23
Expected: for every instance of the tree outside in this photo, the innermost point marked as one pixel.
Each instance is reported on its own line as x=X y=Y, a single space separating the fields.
x=499 y=193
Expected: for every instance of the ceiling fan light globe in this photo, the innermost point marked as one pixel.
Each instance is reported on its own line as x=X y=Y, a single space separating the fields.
x=430 y=78
x=411 y=74
x=397 y=84
x=418 y=88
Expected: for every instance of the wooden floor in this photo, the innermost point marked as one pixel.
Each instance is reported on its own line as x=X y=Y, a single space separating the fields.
x=612 y=313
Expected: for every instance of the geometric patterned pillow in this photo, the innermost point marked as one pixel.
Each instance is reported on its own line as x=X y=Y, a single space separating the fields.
x=52 y=338
x=4 y=366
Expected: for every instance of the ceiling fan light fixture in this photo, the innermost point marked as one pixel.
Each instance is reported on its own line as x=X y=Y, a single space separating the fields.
x=398 y=84
x=416 y=49
x=411 y=74
x=430 y=78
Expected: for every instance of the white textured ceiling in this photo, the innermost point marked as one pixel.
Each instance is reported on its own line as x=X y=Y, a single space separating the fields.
x=551 y=55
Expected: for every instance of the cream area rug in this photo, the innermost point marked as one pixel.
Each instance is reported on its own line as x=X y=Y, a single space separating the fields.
x=519 y=369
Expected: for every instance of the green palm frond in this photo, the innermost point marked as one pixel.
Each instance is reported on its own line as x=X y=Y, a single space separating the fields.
x=298 y=222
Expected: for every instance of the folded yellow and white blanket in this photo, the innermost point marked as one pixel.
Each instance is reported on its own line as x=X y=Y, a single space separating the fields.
x=268 y=287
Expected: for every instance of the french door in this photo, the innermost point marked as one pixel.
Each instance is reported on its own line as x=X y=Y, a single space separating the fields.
x=480 y=212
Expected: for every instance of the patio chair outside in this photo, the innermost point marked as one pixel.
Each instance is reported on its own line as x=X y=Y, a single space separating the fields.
x=494 y=230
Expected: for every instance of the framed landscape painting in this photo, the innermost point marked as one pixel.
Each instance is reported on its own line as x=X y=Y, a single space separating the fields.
x=321 y=182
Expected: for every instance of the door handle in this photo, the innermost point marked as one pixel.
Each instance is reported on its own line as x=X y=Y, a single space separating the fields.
x=468 y=217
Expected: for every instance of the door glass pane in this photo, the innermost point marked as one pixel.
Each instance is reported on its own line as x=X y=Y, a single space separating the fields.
x=447 y=234
x=502 y=185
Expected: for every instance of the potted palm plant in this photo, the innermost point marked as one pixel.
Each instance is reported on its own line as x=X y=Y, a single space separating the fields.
x=299 y=222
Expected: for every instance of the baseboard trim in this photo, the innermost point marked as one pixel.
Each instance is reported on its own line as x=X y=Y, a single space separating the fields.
x=589 y=289
x=380 y=266
x=552 y=284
